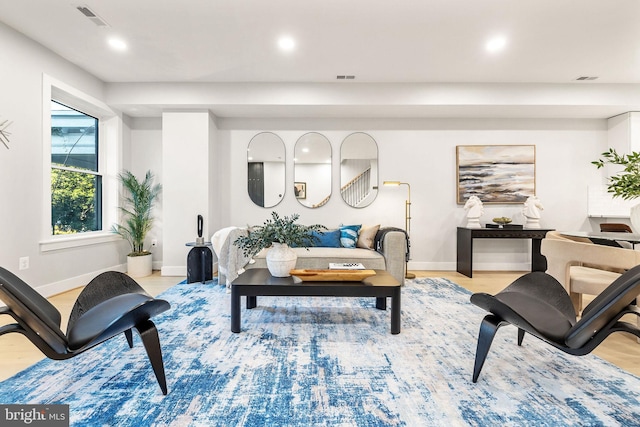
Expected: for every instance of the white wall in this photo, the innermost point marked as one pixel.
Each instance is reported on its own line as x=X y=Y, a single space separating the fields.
x=21 y=170
x=317 y=178
x=188 y=141
x=145 y=153
x=424 y=156
x=274 y=177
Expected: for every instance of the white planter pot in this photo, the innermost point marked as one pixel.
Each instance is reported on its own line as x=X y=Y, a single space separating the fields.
x=281 y=259
x=635 y=218
x=139 y=266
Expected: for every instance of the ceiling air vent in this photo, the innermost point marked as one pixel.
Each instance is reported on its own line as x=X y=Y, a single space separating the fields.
x=586 y=78
x=345 y=77
x=92 y=16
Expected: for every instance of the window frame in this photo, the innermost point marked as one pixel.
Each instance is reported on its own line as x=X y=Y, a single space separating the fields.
x=109 y=160
x=97 y=173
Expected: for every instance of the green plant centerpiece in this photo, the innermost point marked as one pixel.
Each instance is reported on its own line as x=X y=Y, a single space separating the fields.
x=625 y=184
x=137 y=215
x=277 y=229
x=279 y=234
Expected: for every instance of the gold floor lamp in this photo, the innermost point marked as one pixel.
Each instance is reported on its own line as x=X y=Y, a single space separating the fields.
x=407 y=219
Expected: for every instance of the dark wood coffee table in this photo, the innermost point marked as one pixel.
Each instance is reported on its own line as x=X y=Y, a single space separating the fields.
x=259 y=282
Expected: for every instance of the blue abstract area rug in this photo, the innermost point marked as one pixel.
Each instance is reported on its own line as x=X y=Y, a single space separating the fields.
x=330 y=362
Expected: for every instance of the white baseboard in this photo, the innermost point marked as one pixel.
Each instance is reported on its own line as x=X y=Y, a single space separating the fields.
x=179 y=270
x=502 y=266
x=477 y=266
x=436 y=266
x=55 y=288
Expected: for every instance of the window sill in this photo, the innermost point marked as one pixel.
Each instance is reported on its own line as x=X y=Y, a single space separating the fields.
x=77 y=240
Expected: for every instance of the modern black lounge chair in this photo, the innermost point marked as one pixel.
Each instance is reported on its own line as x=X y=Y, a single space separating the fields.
x=111 y=304
x=537 y=303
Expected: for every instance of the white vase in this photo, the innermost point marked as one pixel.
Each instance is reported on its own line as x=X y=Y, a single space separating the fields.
x=139 y=266
x=281 y=259
x=635 y=218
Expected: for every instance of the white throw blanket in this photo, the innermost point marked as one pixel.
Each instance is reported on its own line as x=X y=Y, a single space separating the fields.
x=218 y=239
x=231 y=260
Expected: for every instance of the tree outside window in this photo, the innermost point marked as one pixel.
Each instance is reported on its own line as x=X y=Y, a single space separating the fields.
x=76 y=182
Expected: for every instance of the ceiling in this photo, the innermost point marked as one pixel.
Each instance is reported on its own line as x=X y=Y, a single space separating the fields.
x=377 y=41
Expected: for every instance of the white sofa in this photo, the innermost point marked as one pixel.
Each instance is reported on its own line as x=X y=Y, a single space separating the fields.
x=389 y=253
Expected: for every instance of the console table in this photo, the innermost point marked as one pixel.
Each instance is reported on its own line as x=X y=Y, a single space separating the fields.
x=465 y=245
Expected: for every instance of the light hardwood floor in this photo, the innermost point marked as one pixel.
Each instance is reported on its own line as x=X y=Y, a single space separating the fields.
x=17 y=353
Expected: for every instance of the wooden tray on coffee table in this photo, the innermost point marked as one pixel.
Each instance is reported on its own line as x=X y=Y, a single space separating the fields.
x=307 y=275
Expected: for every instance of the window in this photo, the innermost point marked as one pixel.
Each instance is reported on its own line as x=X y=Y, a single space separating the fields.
x=76 y=181
x=82 y=143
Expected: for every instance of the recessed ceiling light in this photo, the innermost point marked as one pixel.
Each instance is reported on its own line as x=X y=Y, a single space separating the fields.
x=117 y=44
x=496 y=44
x=286 y=43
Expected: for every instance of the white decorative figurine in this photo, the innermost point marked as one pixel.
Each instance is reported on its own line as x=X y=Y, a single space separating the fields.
x=531 y=212
x=474 y=211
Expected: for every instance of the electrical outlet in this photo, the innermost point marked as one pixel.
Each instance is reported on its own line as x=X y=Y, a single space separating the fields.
x=154 y=242
x=23 y=262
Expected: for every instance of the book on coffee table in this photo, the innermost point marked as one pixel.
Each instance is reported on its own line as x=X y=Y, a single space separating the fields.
x=346 y=266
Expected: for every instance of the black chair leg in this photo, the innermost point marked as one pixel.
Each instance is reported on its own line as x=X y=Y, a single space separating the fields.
x=488 y=328
x=151 y=341
x=520 y=336
x=129 y=335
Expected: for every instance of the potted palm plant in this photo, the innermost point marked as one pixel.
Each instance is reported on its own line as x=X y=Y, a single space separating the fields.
x=279 y=234
x=137 y=219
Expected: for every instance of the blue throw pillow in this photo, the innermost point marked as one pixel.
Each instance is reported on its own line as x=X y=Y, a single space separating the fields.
x=326 y=239
x=349 y=235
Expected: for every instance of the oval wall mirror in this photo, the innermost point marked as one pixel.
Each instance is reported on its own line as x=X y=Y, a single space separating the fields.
x=312 y=170
x=266 y=169
x=359 y=170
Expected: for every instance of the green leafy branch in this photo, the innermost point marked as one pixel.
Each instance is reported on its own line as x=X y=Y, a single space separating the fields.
x=625 y=184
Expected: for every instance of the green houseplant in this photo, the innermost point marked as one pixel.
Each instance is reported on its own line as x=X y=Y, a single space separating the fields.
x=137 y=219
x=279 y=234
x=625 y=184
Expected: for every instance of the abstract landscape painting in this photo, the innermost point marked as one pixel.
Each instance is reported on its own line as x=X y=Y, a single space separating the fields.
x=496 y=173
